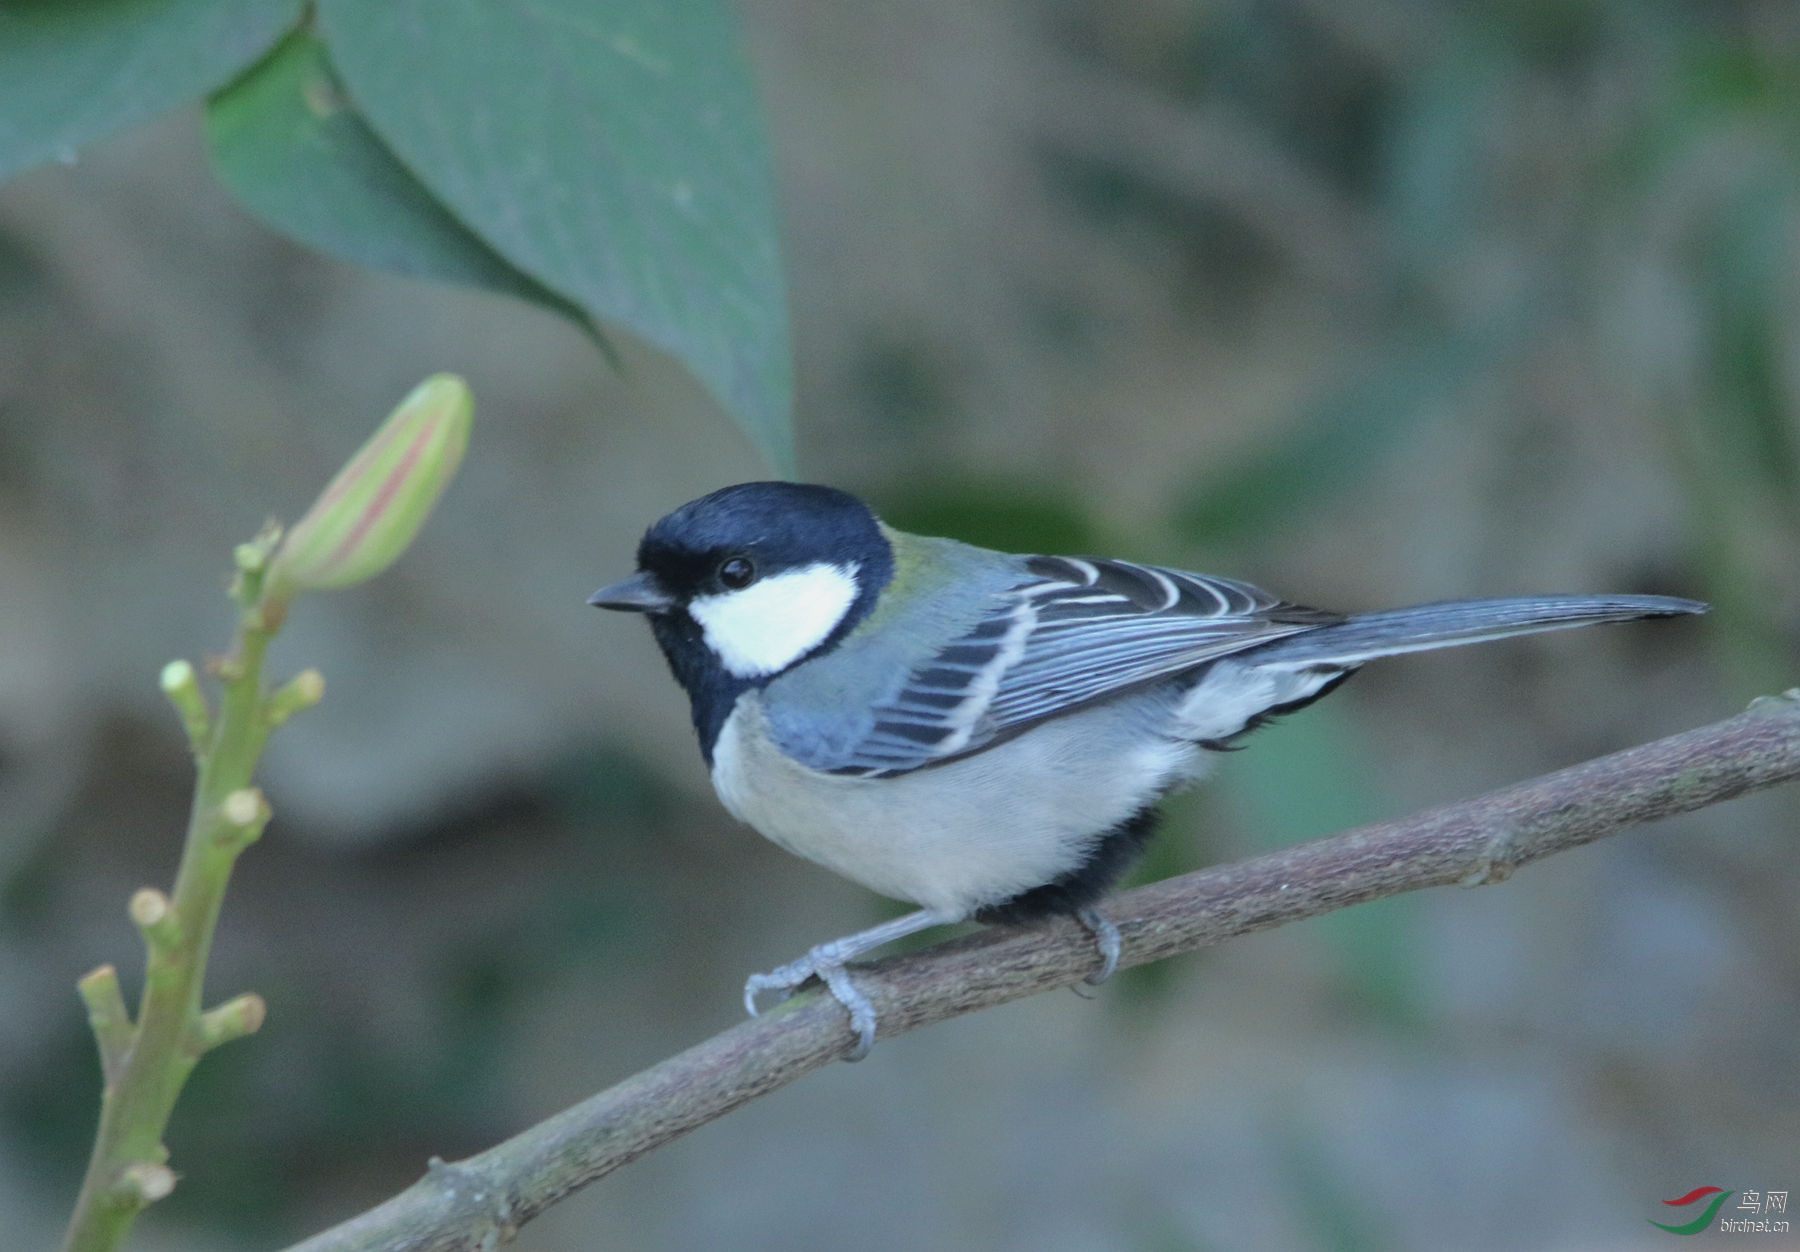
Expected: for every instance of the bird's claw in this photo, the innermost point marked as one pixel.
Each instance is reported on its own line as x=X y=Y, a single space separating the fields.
x=785 y=980
x=818 y=964
x=1106 y=938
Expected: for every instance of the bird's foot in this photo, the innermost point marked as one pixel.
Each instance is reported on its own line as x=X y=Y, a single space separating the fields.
x=826 y=963
x=1106 y=939
x=823 y=963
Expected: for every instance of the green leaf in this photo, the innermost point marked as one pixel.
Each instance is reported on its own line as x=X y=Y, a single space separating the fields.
x=73 y=70
x=286 y=141
x=614 y=153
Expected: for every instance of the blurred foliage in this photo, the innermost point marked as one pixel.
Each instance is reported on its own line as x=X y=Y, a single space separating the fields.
x=1332 y=448
x=1339 y=1218
x=1526 y=175
x=606 y=164
x=1306 y=779
x=994 y=513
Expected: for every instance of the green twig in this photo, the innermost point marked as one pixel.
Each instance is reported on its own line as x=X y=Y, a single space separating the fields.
x=237 y=1017
x=302 y=691
x=109 y=1017
x=147 y=1065
x=182 y=686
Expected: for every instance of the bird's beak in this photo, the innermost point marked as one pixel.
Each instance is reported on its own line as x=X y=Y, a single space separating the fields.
x=640 y=593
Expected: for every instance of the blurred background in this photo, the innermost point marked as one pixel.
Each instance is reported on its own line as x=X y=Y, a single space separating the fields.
x=1366 y=301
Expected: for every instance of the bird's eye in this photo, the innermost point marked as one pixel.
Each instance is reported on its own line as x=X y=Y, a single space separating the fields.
x=737 y=572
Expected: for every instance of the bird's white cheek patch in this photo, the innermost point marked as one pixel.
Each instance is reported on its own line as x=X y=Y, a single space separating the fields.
x=769 y=625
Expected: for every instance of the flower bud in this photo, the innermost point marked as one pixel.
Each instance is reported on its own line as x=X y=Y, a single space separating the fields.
x=369 y=513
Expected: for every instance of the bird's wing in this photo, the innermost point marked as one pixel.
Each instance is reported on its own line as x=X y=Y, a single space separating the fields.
x=1073 y=632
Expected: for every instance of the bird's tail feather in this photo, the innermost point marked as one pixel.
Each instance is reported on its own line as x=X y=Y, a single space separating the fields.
x=1366 y=636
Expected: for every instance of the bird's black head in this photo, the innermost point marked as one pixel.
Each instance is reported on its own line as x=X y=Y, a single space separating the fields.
x=750 y=580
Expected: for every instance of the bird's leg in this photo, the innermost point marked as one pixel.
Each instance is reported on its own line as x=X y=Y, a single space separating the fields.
x=1106 y=938
x=826 y=962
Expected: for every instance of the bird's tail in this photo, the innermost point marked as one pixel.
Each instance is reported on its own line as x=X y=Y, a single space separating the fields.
x=1446 y=624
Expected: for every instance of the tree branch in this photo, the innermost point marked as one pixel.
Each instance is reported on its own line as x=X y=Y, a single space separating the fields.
x=483 y=1200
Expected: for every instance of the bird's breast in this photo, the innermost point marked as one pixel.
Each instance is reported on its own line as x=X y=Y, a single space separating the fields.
x=970 y=832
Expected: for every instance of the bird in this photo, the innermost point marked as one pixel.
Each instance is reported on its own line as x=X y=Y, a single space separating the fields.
x=983 y=734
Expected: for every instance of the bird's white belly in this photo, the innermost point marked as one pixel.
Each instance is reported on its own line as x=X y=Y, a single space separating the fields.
x=974 y=831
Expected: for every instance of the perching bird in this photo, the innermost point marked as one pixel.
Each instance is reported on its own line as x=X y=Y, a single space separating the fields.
x=983 y=734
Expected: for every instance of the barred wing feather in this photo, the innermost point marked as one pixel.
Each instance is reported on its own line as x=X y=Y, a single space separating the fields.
x=1077 y=631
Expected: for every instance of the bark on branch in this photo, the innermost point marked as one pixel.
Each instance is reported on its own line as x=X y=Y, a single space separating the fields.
x=479 y=1202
